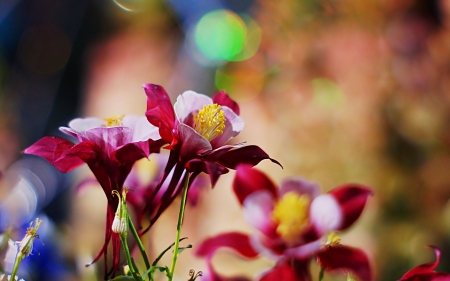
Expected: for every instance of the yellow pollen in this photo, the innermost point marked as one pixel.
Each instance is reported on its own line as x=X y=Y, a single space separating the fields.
x=333 y=239
x=113 y=121
x=209 y=121
x=291 y=214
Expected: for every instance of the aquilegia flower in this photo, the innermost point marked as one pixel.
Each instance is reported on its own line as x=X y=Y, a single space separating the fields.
x=426 y=272
x=109 y=147
x=196 y=130
x=292 y=221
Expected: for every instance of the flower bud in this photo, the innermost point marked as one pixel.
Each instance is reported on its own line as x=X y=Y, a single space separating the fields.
x=120 y=225
x=25 y=247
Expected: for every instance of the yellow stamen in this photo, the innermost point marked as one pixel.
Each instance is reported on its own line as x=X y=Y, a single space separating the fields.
x=210 y=121
x=291 y=214
x=113 y=121
x=333 y=239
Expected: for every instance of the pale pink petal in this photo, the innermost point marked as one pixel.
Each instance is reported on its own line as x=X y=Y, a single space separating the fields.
x=189 y=102
x=299 y=186
x=325 y=213
x=258 y=207
x=109 y=139
x=304 y=251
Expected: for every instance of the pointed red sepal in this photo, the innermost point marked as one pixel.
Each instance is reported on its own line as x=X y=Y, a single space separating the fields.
x=425 y=272
x=57 y=151
x=352 y=199
x=249 y=180
x=345 y=258
x=239 y=242
x=221 y=98
x=250 y=154
x=160 y=111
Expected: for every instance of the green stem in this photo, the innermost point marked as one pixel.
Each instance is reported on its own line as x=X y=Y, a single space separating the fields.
x=321 y=273
x=138 y=241
x=16 y=266
x=180 y=222
x=127 y=254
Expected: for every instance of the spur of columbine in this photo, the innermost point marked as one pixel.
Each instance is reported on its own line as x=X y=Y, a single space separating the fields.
x=293 y=221
x=109 y=147
x=196 y=129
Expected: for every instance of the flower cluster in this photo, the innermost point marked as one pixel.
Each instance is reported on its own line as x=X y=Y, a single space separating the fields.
x=295 y=224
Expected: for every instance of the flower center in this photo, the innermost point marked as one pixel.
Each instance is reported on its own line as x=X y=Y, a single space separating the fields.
x=115 y=120
x=333 y=239
x=291 y=214
x=209 y=121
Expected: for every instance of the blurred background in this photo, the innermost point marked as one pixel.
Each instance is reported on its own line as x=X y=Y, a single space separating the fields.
x=337 y=90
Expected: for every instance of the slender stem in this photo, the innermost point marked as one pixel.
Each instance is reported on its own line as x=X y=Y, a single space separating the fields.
x=127 y=254
x=138 y=241
x=180 y=222
x=16 y=266
x=321 y=273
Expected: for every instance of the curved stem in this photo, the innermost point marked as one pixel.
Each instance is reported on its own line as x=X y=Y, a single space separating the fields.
x=139 y=242
x=127 y=254
x=16 y=266
x=180 y=222
x=321 y=273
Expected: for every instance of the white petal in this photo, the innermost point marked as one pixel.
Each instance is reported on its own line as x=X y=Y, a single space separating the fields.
x=142 y=129
x=258 y=207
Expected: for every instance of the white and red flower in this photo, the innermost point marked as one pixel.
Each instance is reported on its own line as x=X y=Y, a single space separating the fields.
x=293 y=221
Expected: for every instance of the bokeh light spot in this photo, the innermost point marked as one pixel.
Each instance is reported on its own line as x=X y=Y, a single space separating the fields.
x=220 y=35
x=327 y=93
x=252 y=39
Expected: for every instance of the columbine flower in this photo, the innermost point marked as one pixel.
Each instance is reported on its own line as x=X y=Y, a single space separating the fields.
x=293 y=221
x=426 y=272
x=196 y=130
x=109 y=147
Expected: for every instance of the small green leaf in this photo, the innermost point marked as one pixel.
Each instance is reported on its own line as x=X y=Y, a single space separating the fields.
x=153 y=269
x=181 y=249
x=163 y=252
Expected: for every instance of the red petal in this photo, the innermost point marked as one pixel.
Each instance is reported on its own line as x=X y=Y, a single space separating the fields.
x=424 y=268
x=56 y=151
x=237 y=241
x=289 y=270
x=251 y=154
x=345 y=258
x=430 y=276
x=160 y=110
x=352 y=198
x=248 y=180
x=212 y=169
x=221 y=98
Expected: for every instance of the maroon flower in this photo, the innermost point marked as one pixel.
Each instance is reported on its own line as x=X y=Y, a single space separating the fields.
x=294 y=219
x=109 y=147
x=196 y=129
x=425 y=272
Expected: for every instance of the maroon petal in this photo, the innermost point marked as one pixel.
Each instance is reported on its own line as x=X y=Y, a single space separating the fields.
x=237 y=241
x=352 y=199
x=288 y=270
x=221 y=98
x=424 y=268
x=56 y=151
x=251 y=154
x=192 y=144
x=340 y=257
x=248 y=180
x=160 y=111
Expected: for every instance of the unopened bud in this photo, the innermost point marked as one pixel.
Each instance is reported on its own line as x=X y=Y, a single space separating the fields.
x=119 y=224
x=25 y=247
